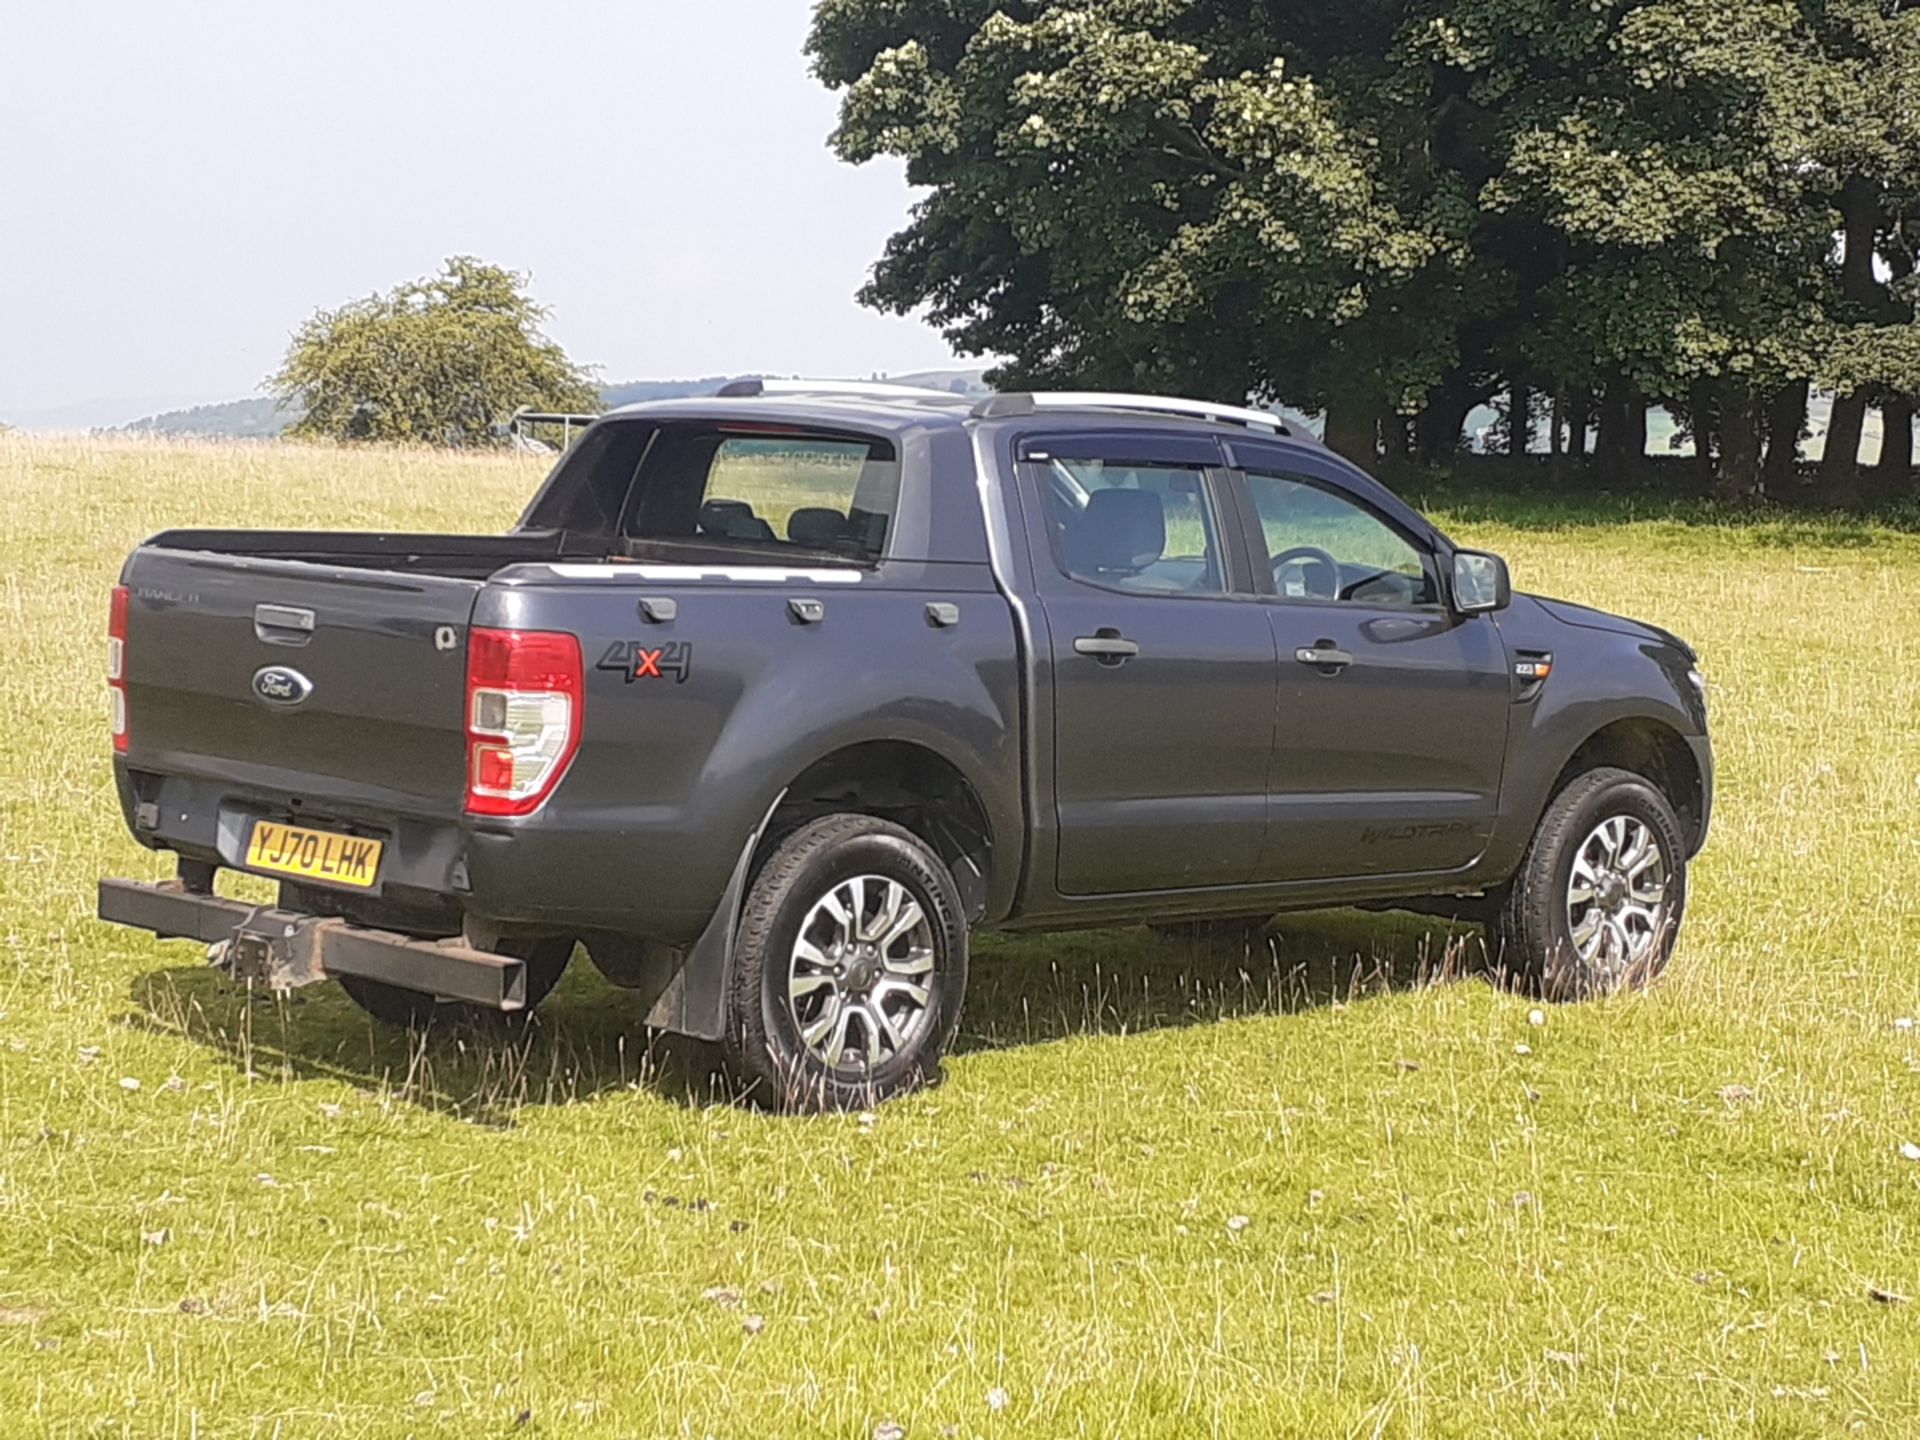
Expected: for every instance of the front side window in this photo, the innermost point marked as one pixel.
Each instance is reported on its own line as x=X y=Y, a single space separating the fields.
x=777 y=492
x=1324 y=546
x=1141 y=528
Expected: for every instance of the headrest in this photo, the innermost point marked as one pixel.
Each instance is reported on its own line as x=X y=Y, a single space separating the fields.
x=816 y=525
x=1120 y=530
x=716 y=514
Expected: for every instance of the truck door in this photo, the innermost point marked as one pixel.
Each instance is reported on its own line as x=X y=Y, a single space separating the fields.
x=1392 y=708
x=1164 y=679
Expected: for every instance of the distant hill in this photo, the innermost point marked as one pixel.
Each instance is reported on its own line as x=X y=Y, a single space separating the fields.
x=263 y=419
x=258 y=419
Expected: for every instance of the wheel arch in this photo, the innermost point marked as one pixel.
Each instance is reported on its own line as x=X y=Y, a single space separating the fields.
x=1651 y=748
x=917 y=788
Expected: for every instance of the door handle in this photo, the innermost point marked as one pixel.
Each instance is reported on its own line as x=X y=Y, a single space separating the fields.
x=1324 y=657
x=1109 y=647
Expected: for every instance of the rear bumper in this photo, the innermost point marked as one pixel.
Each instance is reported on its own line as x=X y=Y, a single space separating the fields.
x=567 y=869
x=284 y=949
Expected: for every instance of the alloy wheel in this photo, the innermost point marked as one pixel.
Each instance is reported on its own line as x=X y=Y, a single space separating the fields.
x=860 y=982
x=1617 y=895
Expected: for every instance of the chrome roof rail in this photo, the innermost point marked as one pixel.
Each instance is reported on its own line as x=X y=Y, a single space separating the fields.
x=1038 y=400
x=875 y=389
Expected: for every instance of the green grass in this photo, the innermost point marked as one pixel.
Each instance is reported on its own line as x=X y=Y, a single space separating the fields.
x=1663 y=1215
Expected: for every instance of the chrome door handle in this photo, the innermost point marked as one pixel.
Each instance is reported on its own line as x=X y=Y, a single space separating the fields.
x=1109 y=647
x=1324 y=657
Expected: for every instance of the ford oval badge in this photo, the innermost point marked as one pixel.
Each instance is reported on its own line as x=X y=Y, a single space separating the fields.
x=281 y=685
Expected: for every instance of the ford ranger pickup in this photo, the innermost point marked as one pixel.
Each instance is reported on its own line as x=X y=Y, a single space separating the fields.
x=773 y=698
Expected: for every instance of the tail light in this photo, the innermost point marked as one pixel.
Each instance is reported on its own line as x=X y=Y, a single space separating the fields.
x=117 y=667
x=524 y=693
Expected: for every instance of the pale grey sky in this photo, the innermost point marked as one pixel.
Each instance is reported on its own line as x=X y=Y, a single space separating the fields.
x=181 y=184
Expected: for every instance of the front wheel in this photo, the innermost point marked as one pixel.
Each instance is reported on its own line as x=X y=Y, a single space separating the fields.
x=849 y=967
x=1596 y=905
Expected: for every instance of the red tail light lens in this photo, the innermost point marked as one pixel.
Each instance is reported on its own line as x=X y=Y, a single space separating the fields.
x=117 y=666
x=524 y=694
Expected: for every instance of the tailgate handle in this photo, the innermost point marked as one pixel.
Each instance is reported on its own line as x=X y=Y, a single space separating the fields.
x=283 y=624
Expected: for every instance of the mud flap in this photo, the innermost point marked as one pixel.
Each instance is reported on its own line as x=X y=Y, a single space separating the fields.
x=692 y=999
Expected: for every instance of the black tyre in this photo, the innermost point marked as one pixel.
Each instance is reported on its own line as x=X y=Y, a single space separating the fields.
x=546 y=961
x=1597 y=903
x=849 y=968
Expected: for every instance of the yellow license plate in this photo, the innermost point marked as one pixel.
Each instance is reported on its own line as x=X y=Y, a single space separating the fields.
x=313 y=854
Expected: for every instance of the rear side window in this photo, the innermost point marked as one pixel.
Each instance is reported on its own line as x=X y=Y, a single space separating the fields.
x=817 y=493
x=1143 y=528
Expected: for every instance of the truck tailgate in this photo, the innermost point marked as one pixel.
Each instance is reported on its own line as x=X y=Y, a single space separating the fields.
x=370 y=714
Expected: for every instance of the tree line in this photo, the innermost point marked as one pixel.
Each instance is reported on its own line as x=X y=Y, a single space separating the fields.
x=1393 y=211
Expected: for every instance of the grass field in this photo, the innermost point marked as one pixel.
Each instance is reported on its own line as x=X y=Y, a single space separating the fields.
x=1307 y=1194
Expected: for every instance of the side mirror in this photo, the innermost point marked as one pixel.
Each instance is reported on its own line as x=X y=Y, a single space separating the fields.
x=1481 y=584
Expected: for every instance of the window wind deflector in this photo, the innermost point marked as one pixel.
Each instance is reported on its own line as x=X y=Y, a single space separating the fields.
x=1121 y=447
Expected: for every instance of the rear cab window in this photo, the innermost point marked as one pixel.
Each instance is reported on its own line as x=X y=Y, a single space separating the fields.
x=679 y=488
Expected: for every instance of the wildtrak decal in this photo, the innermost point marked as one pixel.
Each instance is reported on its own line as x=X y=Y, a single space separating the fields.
x=1435 y=830
x=637 y=661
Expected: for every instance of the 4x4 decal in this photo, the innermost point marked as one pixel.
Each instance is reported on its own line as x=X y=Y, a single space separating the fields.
x=637 y=661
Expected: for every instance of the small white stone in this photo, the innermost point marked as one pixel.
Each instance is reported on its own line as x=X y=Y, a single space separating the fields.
x=1536 y=1017
x=1905 y=1022
x=1523 y=1048
x=998 y=1399
x=1909 y=1151
x=128 y=1083
x=1238 y=1223
x=888 y=1430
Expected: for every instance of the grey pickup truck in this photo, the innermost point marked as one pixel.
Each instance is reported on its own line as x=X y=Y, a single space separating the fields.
x=773 y=697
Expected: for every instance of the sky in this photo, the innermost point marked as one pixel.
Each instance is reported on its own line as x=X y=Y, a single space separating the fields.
x=182 y=184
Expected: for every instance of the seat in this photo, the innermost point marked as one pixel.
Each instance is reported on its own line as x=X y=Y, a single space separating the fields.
x=1120 y=533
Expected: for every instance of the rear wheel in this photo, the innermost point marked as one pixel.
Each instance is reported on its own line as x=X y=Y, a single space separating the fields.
x=1596 y=905
x=849 y=967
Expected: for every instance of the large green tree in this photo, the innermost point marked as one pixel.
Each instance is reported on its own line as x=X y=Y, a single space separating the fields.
x=1396 y=208
x=1867 y=161
x=445 y=360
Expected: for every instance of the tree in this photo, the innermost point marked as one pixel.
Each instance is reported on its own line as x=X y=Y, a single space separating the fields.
x=1137 y=204
x=445 y=360
x=1400 y=208
x=1869 y=160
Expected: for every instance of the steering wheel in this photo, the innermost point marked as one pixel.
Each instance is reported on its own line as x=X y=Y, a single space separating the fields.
x=1300 y=554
